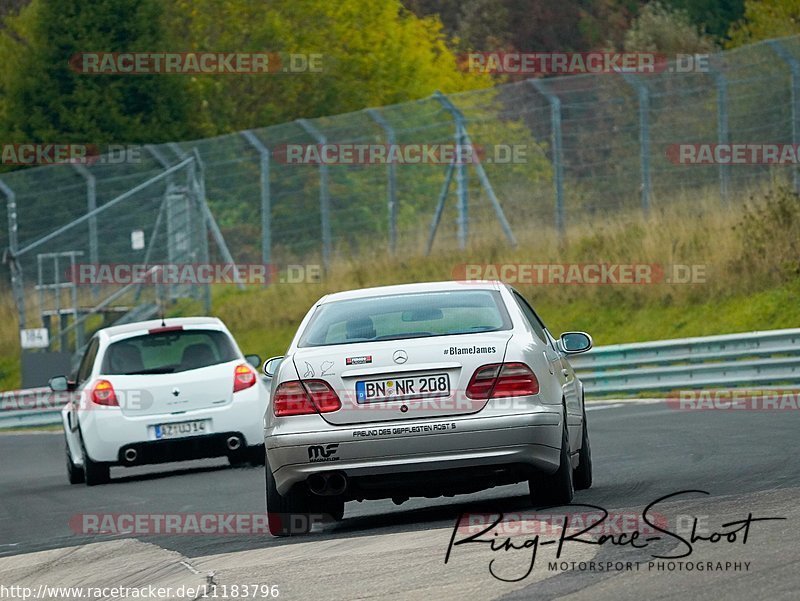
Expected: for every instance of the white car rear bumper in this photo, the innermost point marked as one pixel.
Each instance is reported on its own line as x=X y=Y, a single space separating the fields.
x=107 y=432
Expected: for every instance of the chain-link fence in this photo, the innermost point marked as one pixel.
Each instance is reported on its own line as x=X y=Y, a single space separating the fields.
x=550 y=153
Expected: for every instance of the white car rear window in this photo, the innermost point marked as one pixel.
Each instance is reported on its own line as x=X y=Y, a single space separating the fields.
x=168 y=352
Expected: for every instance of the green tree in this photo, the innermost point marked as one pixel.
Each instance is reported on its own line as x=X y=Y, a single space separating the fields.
x=541 y=26
x=44 y=99
x=483 y=25
x=659 y=28
x=765 y=19
x=373 y=53
x=713 y=17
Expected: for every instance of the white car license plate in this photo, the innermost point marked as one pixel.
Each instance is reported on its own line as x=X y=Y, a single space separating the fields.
x=181 y=429
x=404 y=387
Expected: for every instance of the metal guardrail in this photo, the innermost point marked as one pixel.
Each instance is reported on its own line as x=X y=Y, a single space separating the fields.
x=29 y=407
x=763 y=359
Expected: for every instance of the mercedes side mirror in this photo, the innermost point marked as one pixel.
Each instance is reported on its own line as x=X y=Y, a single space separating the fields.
x=271 y=366
x=575 y=342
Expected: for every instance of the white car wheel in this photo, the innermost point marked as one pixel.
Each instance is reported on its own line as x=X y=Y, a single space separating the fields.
x=74 y=473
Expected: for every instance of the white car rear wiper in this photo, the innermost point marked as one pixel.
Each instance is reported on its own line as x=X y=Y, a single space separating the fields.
x=152 y=370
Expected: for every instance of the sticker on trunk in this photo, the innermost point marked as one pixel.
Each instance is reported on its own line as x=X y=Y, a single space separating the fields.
x=470 y=350
x=362 y=360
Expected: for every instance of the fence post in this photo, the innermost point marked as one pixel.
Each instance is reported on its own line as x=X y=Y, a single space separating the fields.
x=158 y=156
x=197 y=174
x=461 y=169
x=169 y=234
x=437 y=215
x=324 y=197
x=266 y=201
x=151 y=243
x=558 y=152
x=196 y=185
x=91 y=205
x=794 y=68
x=723 y=134
x=466 y=142
x=391 y=179
x=643 y=95
x=14 y=268
x=79 y=330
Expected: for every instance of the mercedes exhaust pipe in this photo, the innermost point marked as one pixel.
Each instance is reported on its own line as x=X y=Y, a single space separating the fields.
x=130 y=455
x=337 y=483
x=317 y=483
x=233 y=443
x=329 y=485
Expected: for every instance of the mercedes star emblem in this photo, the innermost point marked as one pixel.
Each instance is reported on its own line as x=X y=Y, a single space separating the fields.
x=400 y=356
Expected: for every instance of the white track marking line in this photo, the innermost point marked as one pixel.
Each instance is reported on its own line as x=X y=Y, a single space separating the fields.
x=190 y=567
x=597 y=407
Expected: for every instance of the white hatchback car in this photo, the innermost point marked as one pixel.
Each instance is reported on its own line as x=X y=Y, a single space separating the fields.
x=422 y=390
x=159 y=391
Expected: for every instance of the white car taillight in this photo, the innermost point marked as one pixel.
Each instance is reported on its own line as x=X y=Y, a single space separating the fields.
x=243 y=377
x=103 y=394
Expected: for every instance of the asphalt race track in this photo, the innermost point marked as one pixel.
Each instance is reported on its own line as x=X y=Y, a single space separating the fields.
x=643 y=450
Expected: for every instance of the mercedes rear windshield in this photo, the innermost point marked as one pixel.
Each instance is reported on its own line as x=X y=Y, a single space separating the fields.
x=403 y=316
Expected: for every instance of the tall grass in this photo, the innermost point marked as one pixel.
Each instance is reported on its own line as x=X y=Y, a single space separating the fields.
x=748 y=252
x=9 y=344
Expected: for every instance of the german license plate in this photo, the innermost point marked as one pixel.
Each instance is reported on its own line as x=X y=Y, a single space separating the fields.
x=402 y=388
x=181 y=429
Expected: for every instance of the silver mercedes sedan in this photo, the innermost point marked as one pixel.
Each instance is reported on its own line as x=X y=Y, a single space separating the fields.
x=421 y=390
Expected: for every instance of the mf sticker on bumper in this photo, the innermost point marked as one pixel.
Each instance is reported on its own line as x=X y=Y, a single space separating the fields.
x=318 y=452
